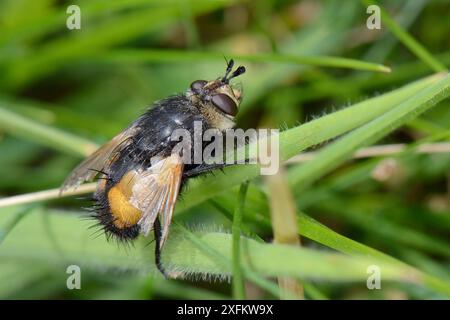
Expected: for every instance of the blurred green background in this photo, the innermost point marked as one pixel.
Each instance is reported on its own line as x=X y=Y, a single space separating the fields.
x=89 y=84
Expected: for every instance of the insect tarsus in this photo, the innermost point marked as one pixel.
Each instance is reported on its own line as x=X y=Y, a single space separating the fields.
x=157 y=231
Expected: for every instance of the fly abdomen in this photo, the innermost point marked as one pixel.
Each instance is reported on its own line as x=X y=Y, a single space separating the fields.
x=115 y=213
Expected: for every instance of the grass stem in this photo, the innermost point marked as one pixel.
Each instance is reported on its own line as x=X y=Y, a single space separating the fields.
x=238 y=284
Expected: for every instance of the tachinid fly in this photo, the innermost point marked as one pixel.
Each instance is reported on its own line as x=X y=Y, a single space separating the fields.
x=140 y=170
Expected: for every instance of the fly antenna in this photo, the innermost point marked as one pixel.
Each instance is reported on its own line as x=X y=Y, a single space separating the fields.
x=240 y=70
x=230 y=65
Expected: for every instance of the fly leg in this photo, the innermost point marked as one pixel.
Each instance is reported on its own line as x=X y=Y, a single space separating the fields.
x=157 y=232
x=203 y=168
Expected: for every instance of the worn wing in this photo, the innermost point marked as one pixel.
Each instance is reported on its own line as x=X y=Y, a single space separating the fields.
x=155 y=194
x=89 y=168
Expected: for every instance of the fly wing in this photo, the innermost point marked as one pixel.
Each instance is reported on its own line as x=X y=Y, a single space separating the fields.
x=156 y=192
x=89 y=168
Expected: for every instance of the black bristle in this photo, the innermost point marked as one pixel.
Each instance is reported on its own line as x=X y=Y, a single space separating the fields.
x=99 y=171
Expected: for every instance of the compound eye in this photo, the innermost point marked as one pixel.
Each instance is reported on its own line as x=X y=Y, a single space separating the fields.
x=225 y=103
x=198 y=85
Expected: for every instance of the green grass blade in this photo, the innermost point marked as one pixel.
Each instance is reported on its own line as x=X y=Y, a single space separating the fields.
x=224 y=261
x=238 y=280
x=181 y=255
x=178 y=56
x=117 y=30
x=51 y=137
x=333 y=155
x=411 y=43
x=314 y=230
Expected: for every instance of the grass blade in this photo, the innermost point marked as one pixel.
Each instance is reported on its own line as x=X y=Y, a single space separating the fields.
x=23 y=127
x=178 y=56
x=333 y=155
x=181 y=254
x=411 y=43
x=283 y=220
x=238 y=280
